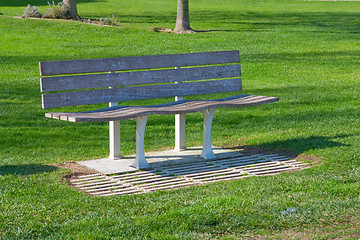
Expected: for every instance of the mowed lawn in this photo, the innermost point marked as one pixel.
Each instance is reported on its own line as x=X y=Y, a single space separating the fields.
x=307 y=53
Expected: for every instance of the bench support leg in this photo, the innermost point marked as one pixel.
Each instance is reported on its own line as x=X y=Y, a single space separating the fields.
x=207 y=152
x=114 y=130
x=180 y=132
x=140 y=160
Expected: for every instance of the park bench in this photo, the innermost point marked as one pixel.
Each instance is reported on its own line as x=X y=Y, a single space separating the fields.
x=113 y=80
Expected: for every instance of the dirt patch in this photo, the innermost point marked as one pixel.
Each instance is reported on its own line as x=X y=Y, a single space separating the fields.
x=76 y=170
x=314 y=160
x=157 y=29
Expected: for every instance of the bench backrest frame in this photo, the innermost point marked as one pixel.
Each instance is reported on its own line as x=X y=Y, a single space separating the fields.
x=135 y=78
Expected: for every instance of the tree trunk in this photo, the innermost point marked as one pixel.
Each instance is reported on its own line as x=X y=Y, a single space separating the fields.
x=182 y=18
x=71 y=4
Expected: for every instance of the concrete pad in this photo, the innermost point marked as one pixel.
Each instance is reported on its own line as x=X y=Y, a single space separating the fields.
x=109 y=166
x=156 y=159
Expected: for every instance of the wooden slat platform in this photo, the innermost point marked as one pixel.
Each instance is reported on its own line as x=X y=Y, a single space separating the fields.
x=178 y=107
x=186 y=175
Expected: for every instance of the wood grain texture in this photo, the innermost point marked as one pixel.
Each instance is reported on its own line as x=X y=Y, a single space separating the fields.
x=156 y=82
x=121 y=94
x=178 y=107
x=138 y=62
x=89 y=81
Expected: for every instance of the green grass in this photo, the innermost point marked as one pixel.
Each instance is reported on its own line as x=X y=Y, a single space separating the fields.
x=307 y=53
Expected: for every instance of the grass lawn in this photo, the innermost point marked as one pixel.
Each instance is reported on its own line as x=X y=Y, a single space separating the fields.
x=305 y=52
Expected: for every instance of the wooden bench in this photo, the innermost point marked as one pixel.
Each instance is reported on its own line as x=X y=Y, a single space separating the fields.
x=113 y=80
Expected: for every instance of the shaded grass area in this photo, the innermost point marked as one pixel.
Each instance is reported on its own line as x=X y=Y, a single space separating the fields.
x=21 y=3
x=306 y=53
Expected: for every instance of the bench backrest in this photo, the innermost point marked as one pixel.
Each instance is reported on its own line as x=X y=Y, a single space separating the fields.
x=80 y=82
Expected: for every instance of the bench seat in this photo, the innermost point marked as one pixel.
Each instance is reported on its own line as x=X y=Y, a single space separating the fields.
x=177 y=107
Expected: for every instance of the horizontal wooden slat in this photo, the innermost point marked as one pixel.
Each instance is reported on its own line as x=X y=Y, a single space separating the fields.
x=180 y=107
x=138 y=62
x=138 y=77
x=139 y=92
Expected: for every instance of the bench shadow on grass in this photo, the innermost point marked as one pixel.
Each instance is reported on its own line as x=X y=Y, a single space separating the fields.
x=296 y=146
x=27 y=169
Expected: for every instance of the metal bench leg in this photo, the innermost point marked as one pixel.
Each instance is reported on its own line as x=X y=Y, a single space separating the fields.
x=114 y=136
x=180 y=132
x=140 y=160
x=207 y=152
x=114 y=130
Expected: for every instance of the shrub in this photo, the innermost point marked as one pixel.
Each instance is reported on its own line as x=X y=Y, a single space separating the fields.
x=112 y=21
x=31 y=12
x=60 y=11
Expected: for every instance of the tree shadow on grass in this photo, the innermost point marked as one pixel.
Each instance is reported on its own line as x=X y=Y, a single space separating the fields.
x=241 y=21
x=27 y=169
x=24 y=3
x=258 y=21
